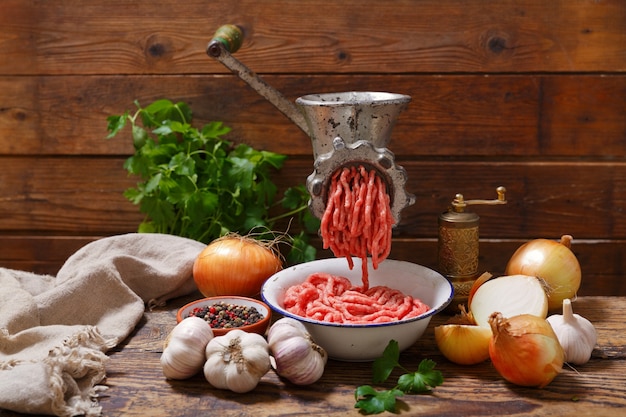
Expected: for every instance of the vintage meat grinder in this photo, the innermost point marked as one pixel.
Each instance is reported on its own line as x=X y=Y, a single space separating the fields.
x=347 y=128
x=354 y=128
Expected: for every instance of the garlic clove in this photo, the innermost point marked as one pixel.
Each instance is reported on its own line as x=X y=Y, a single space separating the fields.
x=256 y=356
x=576 y=334
x=184 y=348
x=179 y=361
x=236 y=361
x=295 y=354
x=214 y=371
x=298 y=361
x=241 y=381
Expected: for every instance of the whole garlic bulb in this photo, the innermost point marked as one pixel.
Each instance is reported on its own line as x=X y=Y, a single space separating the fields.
x=236 y=361
x=297 y=357
x=576 y=334
x=184 y=350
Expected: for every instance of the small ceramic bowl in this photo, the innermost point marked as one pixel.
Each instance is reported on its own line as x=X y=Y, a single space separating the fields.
x=365 y=342
x=259 y=327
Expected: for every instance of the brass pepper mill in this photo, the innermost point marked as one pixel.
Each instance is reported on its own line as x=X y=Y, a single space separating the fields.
x=458 y=245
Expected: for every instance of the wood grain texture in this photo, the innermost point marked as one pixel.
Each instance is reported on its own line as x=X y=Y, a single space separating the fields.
x=83 y=196
x=598 y=388
x=526 y=94
x=464 y=116
x=76 y=194
x=603 y=263
x=312 y=36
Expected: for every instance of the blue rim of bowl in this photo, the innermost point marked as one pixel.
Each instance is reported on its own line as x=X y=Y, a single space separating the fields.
x=422 y=316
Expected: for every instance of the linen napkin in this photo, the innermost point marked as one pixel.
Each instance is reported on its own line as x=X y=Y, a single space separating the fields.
x=55 y=330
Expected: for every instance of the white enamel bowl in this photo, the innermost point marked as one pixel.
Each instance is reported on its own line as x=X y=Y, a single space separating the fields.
x=365 y=342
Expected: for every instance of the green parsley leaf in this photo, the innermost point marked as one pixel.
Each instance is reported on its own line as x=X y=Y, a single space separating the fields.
x=115 y=124
x=140 y=136
x=215 y=130
x=300 y=251
x=384 y=365
x=431 y=376
x=371 y=401
x=294 y=197
x=196 y=184
x=422 y=380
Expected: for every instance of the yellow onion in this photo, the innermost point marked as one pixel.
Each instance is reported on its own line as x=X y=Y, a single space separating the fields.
x=461 y=341
x=510 y=295
x=553 y=262
x=235 y=265
x=463 y=344
x=525 y=350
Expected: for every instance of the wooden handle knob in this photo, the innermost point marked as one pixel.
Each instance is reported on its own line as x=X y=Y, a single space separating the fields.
x=230 y=37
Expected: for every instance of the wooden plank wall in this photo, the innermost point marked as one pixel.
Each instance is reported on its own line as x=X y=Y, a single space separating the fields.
x=527 y=94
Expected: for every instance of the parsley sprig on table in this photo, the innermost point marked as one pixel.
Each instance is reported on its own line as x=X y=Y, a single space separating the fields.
x=196 y=184
x=373 y=401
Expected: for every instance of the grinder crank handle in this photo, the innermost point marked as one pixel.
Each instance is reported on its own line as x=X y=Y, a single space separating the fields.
x=226 y=41
x=230 y=36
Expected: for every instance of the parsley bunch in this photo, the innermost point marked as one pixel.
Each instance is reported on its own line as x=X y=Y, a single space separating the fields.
x=196 y=184
x=372 y=401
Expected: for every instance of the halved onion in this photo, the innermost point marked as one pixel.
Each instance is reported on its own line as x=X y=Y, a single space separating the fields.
x=462 y=341
x=463 y=344
x=510 y=295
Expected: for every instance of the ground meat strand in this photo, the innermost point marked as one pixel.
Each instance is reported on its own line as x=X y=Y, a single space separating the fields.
x=357 y=220
x=334 y=299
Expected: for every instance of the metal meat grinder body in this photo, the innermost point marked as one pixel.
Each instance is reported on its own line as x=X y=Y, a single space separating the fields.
x=346 y=128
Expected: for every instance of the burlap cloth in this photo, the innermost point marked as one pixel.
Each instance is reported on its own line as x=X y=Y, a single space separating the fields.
x=55 y=331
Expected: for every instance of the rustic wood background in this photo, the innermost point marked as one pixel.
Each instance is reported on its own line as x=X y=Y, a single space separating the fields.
x=526 y=94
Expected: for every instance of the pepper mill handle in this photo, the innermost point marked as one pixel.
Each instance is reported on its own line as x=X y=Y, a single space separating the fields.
x=459 y=203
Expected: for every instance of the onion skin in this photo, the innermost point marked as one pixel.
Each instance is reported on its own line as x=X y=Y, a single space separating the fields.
x=463 y=344
x=234 y=265
x=553 y=262
x=525 y=350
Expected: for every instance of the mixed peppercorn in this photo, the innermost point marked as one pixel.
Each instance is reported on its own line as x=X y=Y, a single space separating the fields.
x=224 y=316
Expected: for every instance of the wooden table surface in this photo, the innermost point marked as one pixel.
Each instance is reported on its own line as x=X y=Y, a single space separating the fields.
x=137 y=386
